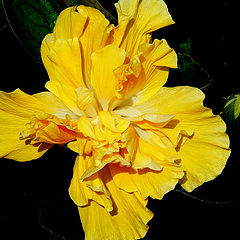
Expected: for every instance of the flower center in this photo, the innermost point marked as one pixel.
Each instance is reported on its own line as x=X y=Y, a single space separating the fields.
x=105 y=131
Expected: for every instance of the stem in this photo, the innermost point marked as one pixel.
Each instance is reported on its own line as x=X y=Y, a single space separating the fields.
x=47 y=229
x=202 y=200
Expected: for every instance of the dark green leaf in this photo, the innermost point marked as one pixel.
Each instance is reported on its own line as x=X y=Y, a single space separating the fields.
x=30 y=21
x=186 y=47
x=231 y=110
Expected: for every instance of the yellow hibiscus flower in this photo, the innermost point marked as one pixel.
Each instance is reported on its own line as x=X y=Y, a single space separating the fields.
x=133 y=137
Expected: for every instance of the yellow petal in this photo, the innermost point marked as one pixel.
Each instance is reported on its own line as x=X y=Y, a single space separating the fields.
x=127 y=221
x=130 y=113
x=56 y=107
x=74 y=146
x=173 y=100
x=24 y=105
x=92 y=189
x=62 y=59
x=18 y=113
x=204 y=154
x=86 y=127
x=66 y=53
x=16 y=110
x=113 y=123
x=94 y=37
x=104 y=61
x=134 y=115
x=136 y=20
x=96 y=184
x=158 y=58
x=54 y=134
x=127 y=83
x=158 y=54
x=145 y=74
x=203 y=158
x=177 y=137
x=86 y=101
x=152 y=151
x=99 y=160
x=131 y=141
x=78 y=191
x=70 y=23
x=146 y=181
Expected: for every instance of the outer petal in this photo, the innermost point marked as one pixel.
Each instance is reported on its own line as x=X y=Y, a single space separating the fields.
x=136 y=20
x=92 y=189
x=146 y=181
x=127 y=221
x=66 y=53
x=94 y=37
x=103 y=80
x=204 y=154
x=16 y=109
x=70 y=23
x=56 y=107
x=78 y=191
x=61 y=56
x=62 y=59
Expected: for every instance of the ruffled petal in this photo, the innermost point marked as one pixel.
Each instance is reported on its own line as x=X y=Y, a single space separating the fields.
x=158 y=57
x=136 y=20
x=154 y=171
x=127 y=221
x=145 y=73
x=16 y=110
x=202 y=144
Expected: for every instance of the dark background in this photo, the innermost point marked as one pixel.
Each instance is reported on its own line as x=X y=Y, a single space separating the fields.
x=34 y=201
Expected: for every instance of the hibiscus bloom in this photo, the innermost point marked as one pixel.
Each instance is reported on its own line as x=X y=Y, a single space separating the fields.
x=133 y=137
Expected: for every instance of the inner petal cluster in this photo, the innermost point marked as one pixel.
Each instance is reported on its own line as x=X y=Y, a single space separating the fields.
x=101 y=140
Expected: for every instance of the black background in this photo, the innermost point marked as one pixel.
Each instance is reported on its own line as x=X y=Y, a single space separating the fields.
x=34 y=201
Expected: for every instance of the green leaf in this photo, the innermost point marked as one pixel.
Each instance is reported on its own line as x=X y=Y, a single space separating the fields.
x=30 y=21
x=237 y=108
x=186 y=46
x=231 y=110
